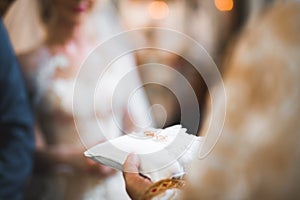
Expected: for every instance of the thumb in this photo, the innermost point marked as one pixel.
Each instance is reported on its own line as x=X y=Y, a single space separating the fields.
x=131 y=164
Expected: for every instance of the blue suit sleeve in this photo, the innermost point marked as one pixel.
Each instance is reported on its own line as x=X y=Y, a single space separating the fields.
x=16 y=132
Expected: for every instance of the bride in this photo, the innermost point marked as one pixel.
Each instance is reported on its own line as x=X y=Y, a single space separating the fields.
x=50 y=70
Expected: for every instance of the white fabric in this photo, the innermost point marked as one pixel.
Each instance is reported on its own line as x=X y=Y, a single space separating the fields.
x=158 y=158
x=54 y=98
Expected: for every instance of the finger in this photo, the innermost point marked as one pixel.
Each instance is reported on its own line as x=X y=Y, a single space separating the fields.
x=131 y=164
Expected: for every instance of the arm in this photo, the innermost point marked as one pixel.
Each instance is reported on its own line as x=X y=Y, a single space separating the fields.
x=48 y=156
x=16 y=134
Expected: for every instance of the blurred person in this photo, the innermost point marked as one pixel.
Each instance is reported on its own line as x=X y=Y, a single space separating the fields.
x=72 y=30
x=16 y=124
x=258 y=153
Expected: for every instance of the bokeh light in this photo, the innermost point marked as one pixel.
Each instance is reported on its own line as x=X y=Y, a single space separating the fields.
x=158 y=10
x=224 y=5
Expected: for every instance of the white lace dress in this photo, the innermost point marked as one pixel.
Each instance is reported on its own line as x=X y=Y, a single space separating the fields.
x=52 y=97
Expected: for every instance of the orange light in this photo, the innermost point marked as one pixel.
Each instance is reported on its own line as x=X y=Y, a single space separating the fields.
x=158 y=9
x=224 y=5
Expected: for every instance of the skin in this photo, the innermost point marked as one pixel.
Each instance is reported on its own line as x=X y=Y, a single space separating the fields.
x=73 y=11
x=136 y=185
x=67 y=28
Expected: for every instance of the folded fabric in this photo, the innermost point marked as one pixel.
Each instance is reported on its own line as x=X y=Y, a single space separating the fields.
x=163 y=153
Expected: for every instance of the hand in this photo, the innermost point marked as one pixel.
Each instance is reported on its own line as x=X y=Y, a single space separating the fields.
x=136 y=185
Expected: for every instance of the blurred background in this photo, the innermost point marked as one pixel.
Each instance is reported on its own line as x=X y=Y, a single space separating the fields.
x=214 y=24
